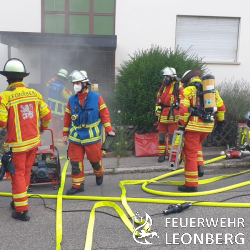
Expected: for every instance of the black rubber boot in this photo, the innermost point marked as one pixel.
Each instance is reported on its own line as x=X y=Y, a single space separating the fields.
x=23 y=216
x=12 y=205
x=74 y=190
x=184 y=188
x=99 y=180
x=200 y=171
x=161 y=158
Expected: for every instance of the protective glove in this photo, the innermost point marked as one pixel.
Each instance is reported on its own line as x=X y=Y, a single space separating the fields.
x=220 y=127
x=158 y=110
x=247 y=147
x=8 y=163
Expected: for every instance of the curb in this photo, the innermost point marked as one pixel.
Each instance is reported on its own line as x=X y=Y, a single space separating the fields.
x=115 y=171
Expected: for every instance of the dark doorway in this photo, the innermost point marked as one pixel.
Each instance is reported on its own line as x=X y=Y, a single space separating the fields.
x=98 y=64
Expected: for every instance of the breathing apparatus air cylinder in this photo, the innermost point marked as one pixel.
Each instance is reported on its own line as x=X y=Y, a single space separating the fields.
x=208 y=85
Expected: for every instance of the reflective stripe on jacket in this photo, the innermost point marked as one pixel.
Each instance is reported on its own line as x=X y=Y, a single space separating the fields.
x=86 y=126
x=21 y=109
x=56 y=101
x=167 y=97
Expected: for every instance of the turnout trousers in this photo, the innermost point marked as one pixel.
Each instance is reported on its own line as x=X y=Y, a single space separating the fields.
x=164 y=130
x=76 y=154
x=20 y=182
x=193 y=156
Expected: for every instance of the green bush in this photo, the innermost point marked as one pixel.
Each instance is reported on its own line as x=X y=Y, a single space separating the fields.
x=138 y=81
x=120 y=145
x=235 y=94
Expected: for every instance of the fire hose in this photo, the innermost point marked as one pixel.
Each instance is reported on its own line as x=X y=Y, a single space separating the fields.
x=109 y=201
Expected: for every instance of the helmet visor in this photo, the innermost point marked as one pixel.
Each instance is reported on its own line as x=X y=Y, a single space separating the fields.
x=77 y=76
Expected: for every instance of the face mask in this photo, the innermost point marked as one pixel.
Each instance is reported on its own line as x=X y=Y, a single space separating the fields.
x=77 y=88
x=166 y=82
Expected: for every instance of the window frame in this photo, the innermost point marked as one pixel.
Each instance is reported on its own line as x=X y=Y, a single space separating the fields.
x=67 y=13
x=218 y=17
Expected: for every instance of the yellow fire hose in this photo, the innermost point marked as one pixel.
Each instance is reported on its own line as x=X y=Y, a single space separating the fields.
x=109 y=201
x=59 y=208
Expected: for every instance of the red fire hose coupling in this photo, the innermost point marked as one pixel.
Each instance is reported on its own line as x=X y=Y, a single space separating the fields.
x=232 y=154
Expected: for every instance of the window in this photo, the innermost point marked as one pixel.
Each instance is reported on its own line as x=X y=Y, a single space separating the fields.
x=103 y=25
x=79 y=5
x=78 y=24
x=78 y=16
x=107 y=6
x=54 y=23
x=54 y=5
x=213 y=38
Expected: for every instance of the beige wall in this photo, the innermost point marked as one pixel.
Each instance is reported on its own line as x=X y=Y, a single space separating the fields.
x=140 y=23
x=18 y=16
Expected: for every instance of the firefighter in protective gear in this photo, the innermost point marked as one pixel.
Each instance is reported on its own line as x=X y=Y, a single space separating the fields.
x=21 y=109
x=243 y=133
x=58 y=97
x=167 y=109
x=195 y=127
x=85 y=113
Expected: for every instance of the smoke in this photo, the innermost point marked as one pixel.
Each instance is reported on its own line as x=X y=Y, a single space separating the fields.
x=97 y=64
x=44 y=62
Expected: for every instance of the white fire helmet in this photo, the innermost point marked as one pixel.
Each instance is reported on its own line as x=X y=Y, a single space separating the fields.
x=63 y=73
x=14 y=68
x=85 y=73
x=167 y=71
x=87 y=79
x=77 y=76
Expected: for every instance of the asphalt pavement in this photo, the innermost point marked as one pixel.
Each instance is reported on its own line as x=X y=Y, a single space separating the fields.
x=198 y=227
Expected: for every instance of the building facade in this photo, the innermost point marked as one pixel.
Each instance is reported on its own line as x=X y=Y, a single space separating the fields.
x=98 y=35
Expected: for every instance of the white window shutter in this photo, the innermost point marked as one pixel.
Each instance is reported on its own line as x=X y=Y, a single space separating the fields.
x=213 y=38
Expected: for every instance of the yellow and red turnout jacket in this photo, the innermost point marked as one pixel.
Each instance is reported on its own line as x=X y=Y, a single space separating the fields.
x=194 y=123
x=21 y=110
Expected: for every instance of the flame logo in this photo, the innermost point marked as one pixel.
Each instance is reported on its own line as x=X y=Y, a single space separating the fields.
x=144 y=231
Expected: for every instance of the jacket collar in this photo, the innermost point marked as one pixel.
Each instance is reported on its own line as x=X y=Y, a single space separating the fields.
x=195 y=80
x=15 y=84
